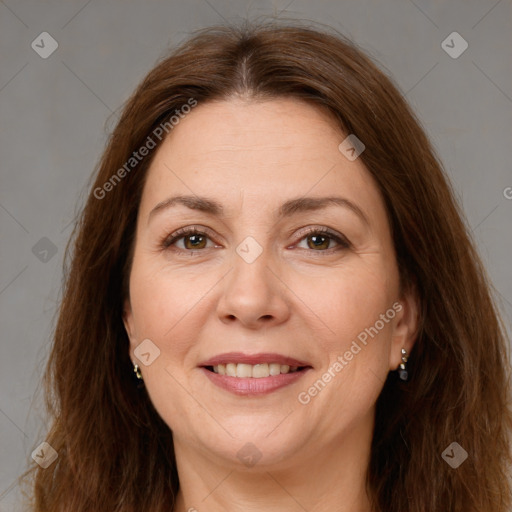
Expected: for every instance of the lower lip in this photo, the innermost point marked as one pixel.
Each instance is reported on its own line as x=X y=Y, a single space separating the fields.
x=253 y=386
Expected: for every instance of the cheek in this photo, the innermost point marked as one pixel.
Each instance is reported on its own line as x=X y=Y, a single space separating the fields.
x=156 y=310
x=161 y=301
x=360 y=314
x=353 y=301
x=164 y=310
x=356 y=353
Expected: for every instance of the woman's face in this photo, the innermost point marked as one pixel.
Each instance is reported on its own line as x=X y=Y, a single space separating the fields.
x=258 y=289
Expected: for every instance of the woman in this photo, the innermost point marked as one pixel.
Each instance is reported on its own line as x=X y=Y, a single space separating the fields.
x=273 y=301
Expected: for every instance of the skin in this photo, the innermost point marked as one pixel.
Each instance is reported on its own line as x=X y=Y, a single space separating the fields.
x=295 y=299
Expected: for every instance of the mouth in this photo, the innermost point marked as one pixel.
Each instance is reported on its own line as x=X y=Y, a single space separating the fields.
x=254 y=371
x=256 y=374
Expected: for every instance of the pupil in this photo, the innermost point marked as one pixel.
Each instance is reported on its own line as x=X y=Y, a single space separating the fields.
x=196 y=238
x=316 y=239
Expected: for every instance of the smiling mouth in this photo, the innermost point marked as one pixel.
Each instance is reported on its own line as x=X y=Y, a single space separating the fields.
x=256 y=371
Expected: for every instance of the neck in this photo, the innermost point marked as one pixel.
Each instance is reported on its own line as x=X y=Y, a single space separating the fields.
x=328 y=479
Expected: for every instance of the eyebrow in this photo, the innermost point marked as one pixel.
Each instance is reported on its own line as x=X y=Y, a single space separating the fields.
x=287 y=209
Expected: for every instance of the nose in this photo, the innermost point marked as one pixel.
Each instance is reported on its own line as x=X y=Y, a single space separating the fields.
x=253 y=293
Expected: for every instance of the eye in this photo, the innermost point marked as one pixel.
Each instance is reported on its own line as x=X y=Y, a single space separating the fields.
x=319 y=239
x=193 y=239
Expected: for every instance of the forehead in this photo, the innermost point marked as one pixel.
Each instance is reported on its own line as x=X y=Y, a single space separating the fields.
x=277 y=128
x=271 y=150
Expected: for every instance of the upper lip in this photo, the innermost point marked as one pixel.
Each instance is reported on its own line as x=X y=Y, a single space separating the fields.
x=239 y=357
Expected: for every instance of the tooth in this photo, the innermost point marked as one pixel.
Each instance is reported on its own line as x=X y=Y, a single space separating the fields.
x=243 y=370
x=274 y=368
x=260 y=370
x=256 y=371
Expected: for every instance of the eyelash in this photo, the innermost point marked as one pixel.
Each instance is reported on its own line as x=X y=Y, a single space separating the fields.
x=168 y=241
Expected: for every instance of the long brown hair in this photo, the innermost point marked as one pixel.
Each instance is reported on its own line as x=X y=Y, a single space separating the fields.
x=115 y=453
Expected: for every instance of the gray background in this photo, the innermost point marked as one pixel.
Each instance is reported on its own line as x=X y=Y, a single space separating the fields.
x=56 y=113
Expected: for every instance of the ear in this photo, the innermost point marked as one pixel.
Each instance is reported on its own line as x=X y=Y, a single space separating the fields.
x=129 y=323
x=406 y=323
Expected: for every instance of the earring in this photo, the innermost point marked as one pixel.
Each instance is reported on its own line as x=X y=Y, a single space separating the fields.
x=140 y=381
x=136 y=370
x=402 y=371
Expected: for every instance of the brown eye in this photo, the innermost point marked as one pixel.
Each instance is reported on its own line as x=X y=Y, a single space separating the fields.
x=196 y=241
x=193 y=239
x=319 y=240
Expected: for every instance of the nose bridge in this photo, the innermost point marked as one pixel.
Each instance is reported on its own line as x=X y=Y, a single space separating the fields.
x=250 y=261
x=251 y=290
x=253 y=252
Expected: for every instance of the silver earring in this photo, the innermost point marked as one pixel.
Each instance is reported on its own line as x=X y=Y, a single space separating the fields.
x=402 y=369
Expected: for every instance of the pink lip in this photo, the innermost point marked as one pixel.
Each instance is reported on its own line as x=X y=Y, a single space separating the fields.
x=253 y=386
x=239 y=357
